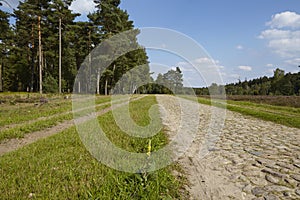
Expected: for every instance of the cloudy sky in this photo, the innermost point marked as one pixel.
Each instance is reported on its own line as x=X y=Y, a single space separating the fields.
x=241 y=39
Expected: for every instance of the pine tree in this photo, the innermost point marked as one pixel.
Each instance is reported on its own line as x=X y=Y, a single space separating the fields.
x=30 y=19
x=5 y=34
x=46 y=14
x=112 y=21
x=58 y=11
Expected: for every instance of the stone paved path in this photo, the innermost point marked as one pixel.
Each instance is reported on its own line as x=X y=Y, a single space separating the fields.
x=253 y=159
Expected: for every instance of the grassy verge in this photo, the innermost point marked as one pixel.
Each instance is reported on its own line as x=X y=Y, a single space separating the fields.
x=21 y=131
x=60 y=167
x=22 y=112
x=55 y=114
x=288 y=116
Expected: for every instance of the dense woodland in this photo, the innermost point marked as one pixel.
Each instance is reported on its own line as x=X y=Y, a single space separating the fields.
x=32 y=43
x=280 y=83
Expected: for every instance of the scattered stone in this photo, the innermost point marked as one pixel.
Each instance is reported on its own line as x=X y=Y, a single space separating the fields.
x=255 y=153
x=284 y=165
x=267 y=163
x=270 y=197
x=272 y=179
x=291 y=182
x=296 y=177
x=273 y=173
x=277 y=188
x=297 y=191
x=258 y=191
x=271 y=165
x=297 y=165
x=247 y=189
x=284 y=171
x=286 y=194
x=251 y=173
x=258 y=181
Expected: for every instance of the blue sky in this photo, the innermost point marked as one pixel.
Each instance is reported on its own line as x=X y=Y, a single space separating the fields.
x=244 y=39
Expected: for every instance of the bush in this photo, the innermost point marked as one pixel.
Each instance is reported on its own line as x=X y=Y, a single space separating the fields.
x=50 y=84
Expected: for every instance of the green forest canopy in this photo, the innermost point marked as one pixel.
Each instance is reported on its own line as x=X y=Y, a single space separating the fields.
x=38 y=21
x=279 y=84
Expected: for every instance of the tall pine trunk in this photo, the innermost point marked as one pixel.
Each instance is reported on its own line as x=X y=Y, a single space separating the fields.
x=106 y=83
x=98 y=82
x=1 y=85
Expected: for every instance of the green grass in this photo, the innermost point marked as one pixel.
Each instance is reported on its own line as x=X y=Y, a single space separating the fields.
x=60 y=167
x=284 y=115
x=21 y=113
x=19 y=132
x=54 y=111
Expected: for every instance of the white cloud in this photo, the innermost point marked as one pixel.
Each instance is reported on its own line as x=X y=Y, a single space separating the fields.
x=283 y=36
x=203 y=63
x=83 y=6
x=239 y=47
x=293 y=62
x=204 y=60
x=245 y=68
x=285 y=20
x=277 y=33
x=203 y=69
x=269 y=65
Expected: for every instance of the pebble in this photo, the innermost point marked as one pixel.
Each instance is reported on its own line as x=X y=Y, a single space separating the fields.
x=273 y=173
x=270 y=197
x=297 y=191
x=272 y=179
x=258 y=191
x=258 y=181
x=296 y=177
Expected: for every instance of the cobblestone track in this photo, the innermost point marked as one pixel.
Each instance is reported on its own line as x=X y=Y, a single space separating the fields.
x=253 y=159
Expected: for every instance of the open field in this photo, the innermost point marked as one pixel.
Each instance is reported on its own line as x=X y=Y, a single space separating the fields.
x=289 y=101
x=289 y=116
x=21 y=118
x=252 y=158
x=59 y=167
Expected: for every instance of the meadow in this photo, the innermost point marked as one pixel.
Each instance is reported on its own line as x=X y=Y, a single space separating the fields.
x=266 y=110
x=60 y=167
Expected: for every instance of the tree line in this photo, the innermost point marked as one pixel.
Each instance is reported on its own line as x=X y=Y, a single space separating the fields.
x=280 y=83
x=170 y=82
x=30 y=55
